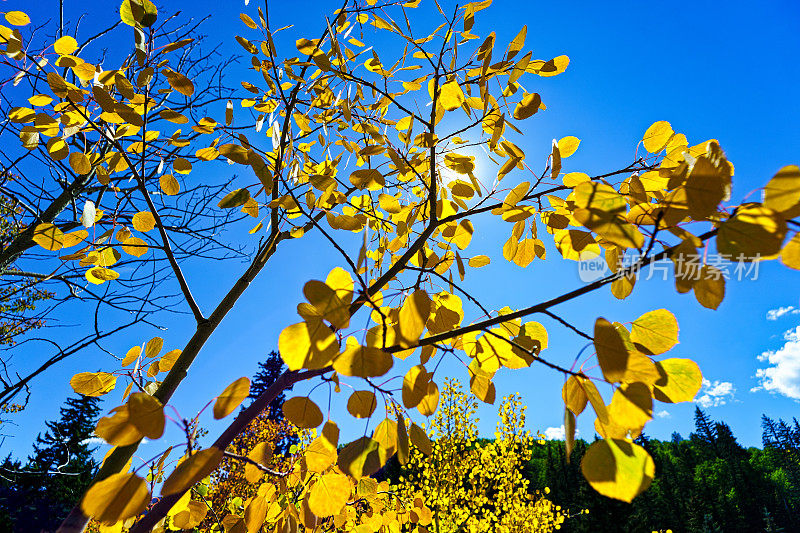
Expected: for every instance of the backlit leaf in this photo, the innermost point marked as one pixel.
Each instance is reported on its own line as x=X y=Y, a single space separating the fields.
x=302 y=412
x=192 y=470
x=93 y=383
x=233 y=395
x=618 y=469
x=116 y=498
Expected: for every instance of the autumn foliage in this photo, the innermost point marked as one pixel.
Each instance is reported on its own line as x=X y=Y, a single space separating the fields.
x=377 y=150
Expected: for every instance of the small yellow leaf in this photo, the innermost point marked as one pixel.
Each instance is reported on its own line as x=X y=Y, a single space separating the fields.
x=192 y=470
x=49 y=237
x=611 y=351
x=412 y=317
x=169 y=184
x=144 y=221
x=116 y=498
x=363 y=361
x=530 y=104
x=618 y=469
x=782 y=192
x=657 y=136
x=568 y=145
x=302 y=412
x=147 y=414
x=362 y=404
x=65 y=45
x=233 y=395
x=479 y=261
x=93 y=383
x=18 y=18
x=680 y=380
x=329 y=494
x=655 y=332
x=360 y=458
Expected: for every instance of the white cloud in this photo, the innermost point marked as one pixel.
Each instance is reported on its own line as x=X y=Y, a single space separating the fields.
x=716 y=393
x=783 y=374
x=775 y=314
x=663 y=414
x=557 y=433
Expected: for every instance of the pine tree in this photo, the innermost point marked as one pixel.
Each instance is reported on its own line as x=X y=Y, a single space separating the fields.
x=268 y=373
x=39 y=494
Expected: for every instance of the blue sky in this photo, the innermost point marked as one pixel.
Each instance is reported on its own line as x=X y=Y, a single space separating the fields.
x=726 y=71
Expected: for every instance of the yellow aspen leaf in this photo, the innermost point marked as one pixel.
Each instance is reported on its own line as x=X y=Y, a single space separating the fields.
x=169 y=184
x=116 y=498
x=329 y=494
x=192 y=470
x=706 y=186
x=611 y=351
x=415 y=386
x=341 y=281
x=710 y=288
x=131 y=356
x=389 y=203
x=618 y=469
x=568 y=145
x=181 y=165
x=310 y=344
x=782 y=192
x=451 y=96
x=754 y=232
x=479 y=261
x=144 y=221
x=320 y=455
x=74 y=238
x=622 y=287
x=363 y=361
x=655 y=332
x=657 y=136
x=420 y=439
x=117 y=429
x=192 y=516
x=367 y=178
x=138 y=12
x=327 y=303
x=680 y=380
x=135 y=246
x=427 y=406
x=640 y=368
x=234 y=199
x=255 y=514
x=166 y=363
x=153 y=347
x=517 y=43
x=481 y=385
x=530 y=104
x=403 y=446
x=180 y=83
x=98 y=275
x=595 y=399
x=260 y=454
x=233 y=395
x=233 y=523
x=631 y=406
x=360 y=458
x=302 y=412
x=93 y=383
x=65 y=45
x=575 y=178
x=574 y=396
x=569 y=433
x=18 y=18
x=362 y=404
x=49 y=237
x=555 y=160
x=147 y=414
x=412 y=317
x=790 y=255
x=403 y=124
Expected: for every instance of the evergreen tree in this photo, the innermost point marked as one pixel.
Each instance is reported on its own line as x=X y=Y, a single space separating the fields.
x=38 y=495
x=268 y=372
